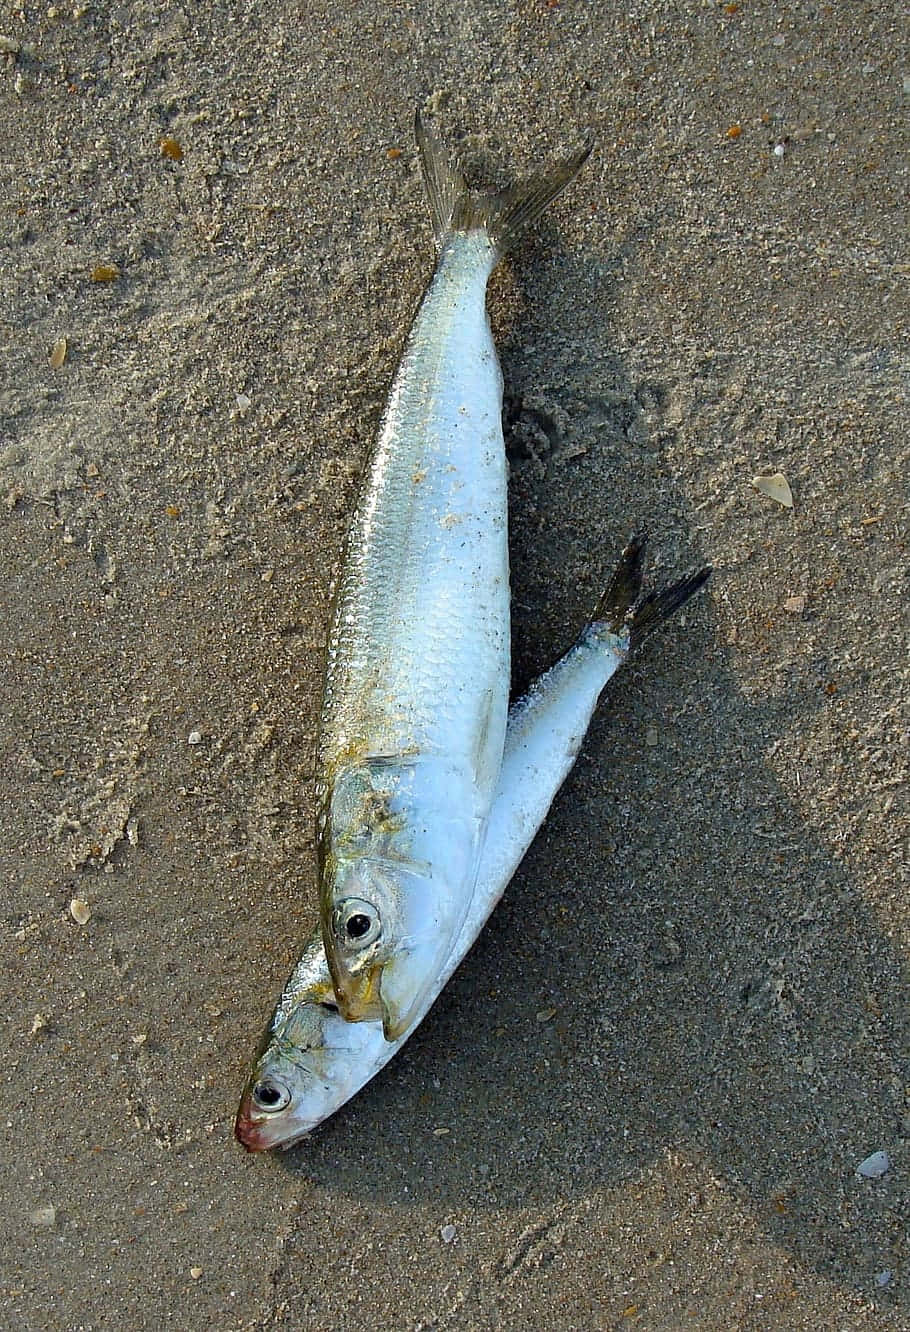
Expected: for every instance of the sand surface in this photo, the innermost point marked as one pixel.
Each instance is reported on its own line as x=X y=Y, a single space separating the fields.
x=642 y=1100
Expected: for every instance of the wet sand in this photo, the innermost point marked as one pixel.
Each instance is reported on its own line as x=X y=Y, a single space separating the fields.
x=642 y=1100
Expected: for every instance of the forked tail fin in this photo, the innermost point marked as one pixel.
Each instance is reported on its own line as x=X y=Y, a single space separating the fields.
x=455 y=207
x=623 y=609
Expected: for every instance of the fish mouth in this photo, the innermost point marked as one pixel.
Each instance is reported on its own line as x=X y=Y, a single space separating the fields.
x=358 y=995
x=406 y=982
x=393 y=992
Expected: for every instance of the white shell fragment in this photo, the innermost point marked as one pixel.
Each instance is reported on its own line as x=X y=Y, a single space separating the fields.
x=874 y=1166
x=80 y=910
x=447 y=1234
x=775 y=487
x=58 y=354
x=194 y=738
x=43 y=1216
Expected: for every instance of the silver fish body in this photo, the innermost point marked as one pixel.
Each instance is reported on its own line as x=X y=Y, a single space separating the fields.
x=416 y=693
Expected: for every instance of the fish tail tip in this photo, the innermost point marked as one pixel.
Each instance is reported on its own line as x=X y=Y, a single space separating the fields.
x=657 y=607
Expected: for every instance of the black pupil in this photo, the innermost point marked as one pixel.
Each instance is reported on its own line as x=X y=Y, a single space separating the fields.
x=358 y=925
x=266 y=1094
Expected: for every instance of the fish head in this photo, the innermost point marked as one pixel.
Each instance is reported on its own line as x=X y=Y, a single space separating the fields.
x=266 y=1117
x=396 y=879
x=311 y=1061
x=388 y=942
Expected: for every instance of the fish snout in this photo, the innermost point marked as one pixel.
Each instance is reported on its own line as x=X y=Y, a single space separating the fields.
x=407 y=980
x=357 y=993
x=250 y=1129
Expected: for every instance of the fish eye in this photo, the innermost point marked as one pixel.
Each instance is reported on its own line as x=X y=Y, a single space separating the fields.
x=271 y=1095
x=357 y=922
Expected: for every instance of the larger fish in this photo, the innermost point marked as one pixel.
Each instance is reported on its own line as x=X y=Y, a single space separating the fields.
x=312 y=1061
x=416 y=691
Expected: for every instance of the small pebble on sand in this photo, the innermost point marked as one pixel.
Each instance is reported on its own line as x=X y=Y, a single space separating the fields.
x=80 y=910
x=874 y=1166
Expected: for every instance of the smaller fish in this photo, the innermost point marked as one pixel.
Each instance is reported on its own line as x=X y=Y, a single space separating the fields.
x=311 y=1060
